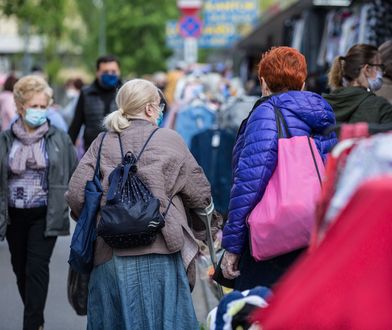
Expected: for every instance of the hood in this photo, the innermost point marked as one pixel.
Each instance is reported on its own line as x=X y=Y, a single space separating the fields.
x=309 y=107
x=345 y=101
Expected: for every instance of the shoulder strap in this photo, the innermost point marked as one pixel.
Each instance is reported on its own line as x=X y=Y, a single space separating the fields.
x=121 y=146
x=145 y=144
x=97 y=165
x=314 y=161
x=280 y=120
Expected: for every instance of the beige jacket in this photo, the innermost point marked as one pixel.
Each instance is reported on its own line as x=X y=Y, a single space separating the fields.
x=386 y=89
x=168 y=168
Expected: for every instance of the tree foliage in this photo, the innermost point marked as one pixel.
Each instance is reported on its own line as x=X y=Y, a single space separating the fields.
x=135 y=32
x=41 y=17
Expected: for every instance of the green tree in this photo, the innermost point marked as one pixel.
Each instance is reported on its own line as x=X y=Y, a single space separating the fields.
x=135 y=32
x=46 y=18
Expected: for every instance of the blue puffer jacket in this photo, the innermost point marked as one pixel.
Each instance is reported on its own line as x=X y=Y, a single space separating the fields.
x=255 y=153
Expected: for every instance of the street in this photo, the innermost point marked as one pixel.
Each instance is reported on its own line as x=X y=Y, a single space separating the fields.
x=59 y=315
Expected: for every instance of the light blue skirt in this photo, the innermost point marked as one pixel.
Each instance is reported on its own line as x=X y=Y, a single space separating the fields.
x=142 y=292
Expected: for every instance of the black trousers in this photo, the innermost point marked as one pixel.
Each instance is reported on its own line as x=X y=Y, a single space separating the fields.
x=30 y=256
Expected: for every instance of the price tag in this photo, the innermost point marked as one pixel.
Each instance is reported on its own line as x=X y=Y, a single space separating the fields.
x=215 y=142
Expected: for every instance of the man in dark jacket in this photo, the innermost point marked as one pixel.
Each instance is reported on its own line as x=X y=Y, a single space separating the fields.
x=96 y=100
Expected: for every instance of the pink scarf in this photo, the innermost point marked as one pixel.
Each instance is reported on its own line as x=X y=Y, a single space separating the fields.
x=26 y=151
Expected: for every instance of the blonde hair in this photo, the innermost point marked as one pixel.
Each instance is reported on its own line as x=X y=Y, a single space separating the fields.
x=131 y=100
x=28 y=86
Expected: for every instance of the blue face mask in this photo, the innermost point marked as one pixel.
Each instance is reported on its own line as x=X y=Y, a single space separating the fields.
x=35 y=117
x=109 y=80
x=160 y=118
x=376 y=84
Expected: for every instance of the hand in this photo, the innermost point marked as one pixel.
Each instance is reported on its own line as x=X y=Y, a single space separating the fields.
x=229 y=265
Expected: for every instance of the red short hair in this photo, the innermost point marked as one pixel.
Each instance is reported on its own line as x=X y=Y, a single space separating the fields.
x=283 y=69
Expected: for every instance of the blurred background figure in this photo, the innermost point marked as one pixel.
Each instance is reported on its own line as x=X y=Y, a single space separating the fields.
x=7 y=103
x=160 y=80
x=72 y=92
x=96 y=100
x=386 y=56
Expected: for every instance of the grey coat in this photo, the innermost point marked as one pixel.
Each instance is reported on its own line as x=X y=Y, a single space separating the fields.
x=62 y=163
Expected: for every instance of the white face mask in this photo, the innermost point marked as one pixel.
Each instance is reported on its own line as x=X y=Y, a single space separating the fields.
x=71 y=93
x=376 y=84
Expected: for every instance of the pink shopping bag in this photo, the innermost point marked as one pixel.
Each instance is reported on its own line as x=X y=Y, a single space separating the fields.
x=283 y=220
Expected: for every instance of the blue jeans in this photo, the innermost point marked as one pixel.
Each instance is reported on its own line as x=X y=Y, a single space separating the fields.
x=140 y=292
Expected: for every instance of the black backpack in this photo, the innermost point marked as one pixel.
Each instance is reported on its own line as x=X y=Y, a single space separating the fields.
x=131 y=216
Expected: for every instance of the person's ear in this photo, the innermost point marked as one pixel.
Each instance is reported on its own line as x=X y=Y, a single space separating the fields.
x=149 y=110
x=366 y=70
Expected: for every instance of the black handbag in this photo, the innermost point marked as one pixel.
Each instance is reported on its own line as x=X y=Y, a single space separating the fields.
x=219 y=278
x=77 y=291
x=131 y=216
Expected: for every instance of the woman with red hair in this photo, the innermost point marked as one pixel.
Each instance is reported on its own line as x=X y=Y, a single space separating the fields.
x=282 y=75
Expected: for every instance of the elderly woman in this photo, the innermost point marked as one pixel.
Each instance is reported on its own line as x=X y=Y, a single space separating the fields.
x=282 y=74
x=145 y=287
x=354 y=80
x=36 y=162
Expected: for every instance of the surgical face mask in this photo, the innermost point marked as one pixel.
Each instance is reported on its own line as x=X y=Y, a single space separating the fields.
x=158 y=121
x=35 y=117
x=375 y=84
x=109 y=80
x=71 y=93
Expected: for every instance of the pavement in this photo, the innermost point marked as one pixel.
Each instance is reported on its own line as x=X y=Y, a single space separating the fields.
x=59 y=315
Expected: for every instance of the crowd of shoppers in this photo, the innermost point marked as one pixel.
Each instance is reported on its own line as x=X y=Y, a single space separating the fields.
x=38 y=164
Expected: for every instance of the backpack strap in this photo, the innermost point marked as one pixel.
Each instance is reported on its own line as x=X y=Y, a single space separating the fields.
x=121 y=146
x=168 y=206
x=97 y=165
x=145 y=144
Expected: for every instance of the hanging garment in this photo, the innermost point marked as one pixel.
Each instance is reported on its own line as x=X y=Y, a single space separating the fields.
x=212 y=149
x=345 y=283
x=194 y=119
x=369 y=159
x=235 y=111
x=350 y=135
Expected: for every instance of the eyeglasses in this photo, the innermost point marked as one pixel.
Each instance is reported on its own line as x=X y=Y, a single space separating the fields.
x=380 y=66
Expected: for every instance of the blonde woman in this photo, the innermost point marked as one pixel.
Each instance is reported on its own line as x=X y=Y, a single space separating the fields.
x=36 y=162
x=145 y=287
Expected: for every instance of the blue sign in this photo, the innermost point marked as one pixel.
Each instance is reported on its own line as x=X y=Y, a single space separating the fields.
x=225 y=22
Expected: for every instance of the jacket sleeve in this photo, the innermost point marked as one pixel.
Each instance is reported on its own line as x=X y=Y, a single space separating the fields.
x=78 y=120
x=196 y=191
x=325 y=143
x=84 y=172
x=256 y=163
